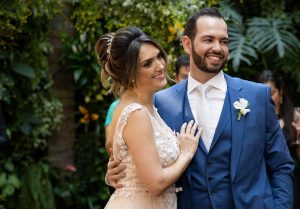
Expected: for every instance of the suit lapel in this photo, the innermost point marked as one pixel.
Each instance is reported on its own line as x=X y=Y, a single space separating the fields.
x=237 y=132
x=184 y=106
x=187 y=116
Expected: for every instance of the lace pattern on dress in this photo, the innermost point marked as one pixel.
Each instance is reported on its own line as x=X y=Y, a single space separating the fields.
x=168 y=150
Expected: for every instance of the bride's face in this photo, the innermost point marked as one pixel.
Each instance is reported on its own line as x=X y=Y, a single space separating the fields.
x=151 y=74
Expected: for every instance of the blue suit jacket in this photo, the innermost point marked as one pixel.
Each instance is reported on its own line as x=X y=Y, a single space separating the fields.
x=261 y=167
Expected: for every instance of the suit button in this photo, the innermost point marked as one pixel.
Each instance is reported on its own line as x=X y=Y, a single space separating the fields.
x=209 y=207
x=209 y=179
x=209 y=164
x=212 y=193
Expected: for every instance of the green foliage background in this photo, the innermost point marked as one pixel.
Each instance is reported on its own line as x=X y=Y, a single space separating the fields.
x=31 y=108
x=262 y=35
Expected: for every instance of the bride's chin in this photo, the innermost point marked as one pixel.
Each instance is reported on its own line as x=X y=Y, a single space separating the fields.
x=164 y=82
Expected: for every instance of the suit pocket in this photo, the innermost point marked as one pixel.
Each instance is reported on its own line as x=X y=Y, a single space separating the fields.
x=269 y=203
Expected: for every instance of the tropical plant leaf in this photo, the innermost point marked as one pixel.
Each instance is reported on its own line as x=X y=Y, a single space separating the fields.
x=26 y=128
x=240 y=48
x=96 y=68
x=290 y=64
x=14 y=181
x=268 y=34
x=229 y=12
x=77 y=73
x=23 y=69
x=8 y=190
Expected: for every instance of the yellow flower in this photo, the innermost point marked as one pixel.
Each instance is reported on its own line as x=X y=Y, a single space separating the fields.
x=83 y=110
x=172 y=30
x=94 y=116
x=87 y=116
x=85 y=119
x=179 y=26
x=175 y=31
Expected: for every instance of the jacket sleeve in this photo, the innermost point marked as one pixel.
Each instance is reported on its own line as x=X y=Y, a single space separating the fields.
x=279 y=162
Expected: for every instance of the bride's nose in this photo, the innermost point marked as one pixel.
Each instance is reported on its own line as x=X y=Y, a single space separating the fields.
x=160 y=64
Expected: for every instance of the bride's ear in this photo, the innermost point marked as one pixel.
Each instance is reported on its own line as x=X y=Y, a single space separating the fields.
x=187 y=44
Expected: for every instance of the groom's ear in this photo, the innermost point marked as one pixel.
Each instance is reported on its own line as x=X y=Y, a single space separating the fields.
x=187 y=44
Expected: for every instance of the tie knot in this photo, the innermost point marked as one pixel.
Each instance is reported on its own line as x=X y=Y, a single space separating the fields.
x=203 y=88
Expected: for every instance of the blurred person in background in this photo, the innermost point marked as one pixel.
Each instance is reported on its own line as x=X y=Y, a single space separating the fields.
x=108 y=132
x=182 y=68
x=289 y=120
x=107 y=125
x=283 y=106
x=296 y=155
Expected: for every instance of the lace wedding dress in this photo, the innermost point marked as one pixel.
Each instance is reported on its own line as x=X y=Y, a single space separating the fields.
x=133 y=194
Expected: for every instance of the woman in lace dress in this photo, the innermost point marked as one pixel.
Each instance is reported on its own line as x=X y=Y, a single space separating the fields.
x=134 y=67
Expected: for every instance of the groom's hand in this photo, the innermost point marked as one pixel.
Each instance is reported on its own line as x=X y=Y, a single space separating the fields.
x=115 y=171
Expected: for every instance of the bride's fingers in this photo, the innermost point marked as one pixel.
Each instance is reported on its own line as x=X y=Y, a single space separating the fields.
x=200 y=129
x=194 y=127
x=189 y=127
x=183 y=127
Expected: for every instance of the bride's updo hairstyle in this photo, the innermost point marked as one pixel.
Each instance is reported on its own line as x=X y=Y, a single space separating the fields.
x=118 y=55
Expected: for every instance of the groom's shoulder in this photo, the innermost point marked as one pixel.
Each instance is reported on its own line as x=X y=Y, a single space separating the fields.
x=172 y=90
x=171 y=95
x=243 y=83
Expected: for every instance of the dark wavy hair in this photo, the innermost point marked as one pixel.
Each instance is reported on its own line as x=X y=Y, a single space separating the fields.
x=118 y=55
x=286 y=110
x=190 y=29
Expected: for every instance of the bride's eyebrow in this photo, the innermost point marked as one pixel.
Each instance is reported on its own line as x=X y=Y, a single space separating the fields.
x=147 y=61
x=150 y=59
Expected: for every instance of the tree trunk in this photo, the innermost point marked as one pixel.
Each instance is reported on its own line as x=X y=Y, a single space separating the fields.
x=61 y=144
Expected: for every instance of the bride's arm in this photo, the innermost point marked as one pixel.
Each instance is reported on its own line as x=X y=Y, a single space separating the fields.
x=138 y=135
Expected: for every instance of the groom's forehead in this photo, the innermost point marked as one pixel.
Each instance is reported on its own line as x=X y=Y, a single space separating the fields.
x=208 y=24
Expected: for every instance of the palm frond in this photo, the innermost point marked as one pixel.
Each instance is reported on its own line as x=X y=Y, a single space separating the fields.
x=230 y=13
x=240 y=48
x=272 y=34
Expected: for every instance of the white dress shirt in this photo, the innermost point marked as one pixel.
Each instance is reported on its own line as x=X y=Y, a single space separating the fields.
x=209 y=116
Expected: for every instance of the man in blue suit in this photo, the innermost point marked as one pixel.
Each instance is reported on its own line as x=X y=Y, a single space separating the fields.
x=242 y=161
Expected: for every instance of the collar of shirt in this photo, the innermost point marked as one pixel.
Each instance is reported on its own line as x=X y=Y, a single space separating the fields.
x=218 y=82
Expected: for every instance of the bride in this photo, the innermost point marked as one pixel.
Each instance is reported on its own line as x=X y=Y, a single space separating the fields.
x=134 y=67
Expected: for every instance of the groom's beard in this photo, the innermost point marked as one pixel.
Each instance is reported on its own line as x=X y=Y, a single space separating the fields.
x=202 y=65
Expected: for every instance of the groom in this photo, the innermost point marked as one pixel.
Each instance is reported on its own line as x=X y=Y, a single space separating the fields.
x=242 y=161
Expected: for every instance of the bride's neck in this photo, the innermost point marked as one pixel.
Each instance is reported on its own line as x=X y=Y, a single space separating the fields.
x=139 y=97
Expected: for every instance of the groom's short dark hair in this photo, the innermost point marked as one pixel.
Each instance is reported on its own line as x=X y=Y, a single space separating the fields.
x=190 y=27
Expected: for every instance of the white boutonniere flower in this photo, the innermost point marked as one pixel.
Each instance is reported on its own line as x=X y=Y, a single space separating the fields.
x=242 y=107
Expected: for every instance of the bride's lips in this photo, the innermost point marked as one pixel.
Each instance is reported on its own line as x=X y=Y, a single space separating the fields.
x=160 y=76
